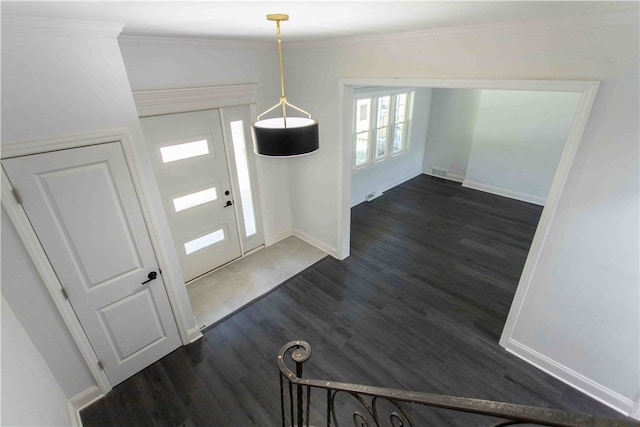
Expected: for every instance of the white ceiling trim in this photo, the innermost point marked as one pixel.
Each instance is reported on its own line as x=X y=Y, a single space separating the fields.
x=514 y=27
x=67 y=27
x=502 y=28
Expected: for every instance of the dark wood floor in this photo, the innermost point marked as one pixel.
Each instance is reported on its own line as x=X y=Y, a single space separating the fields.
x=419 y=305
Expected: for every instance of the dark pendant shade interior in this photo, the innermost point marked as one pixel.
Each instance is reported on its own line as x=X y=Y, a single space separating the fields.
x=271 y=138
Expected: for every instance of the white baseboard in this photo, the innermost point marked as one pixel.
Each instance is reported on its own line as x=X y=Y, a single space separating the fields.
x=384 y=187
x=635 y=411
x=357 y=200
x=504 y=192
x=449 y=177
x=81 y=401
x=572 y=378
x=194 y=334
x=315 y=242
x=270 y=240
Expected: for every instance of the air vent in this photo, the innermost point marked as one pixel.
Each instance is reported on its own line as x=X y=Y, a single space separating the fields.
x=442 y=173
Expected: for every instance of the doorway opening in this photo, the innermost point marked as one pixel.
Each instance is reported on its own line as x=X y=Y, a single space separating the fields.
x=586 y=90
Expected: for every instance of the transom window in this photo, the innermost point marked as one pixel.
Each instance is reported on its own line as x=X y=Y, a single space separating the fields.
x=381 y=123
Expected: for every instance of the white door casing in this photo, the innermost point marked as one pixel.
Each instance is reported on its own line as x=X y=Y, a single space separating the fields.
x=82 y=204
x=204 y=171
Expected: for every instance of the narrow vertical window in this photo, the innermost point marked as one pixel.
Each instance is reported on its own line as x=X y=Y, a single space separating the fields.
x=382 y=131
x=362 y=125
x=399 y=126
x=242 y=167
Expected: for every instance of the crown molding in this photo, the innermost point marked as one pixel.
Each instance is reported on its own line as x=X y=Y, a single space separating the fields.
x=617 y=18
x=241 y=44
x=65 y=27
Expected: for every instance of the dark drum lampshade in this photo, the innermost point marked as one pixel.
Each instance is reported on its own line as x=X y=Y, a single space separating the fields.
x=271 y=138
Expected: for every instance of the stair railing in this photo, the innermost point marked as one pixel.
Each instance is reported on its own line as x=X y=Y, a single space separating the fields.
x=368 y=401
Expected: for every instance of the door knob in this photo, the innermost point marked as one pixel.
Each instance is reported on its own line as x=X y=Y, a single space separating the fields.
x=151 y=276
x=229 y=203
x=226 y=193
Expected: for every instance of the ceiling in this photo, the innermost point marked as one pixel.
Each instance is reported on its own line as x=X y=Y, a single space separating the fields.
x=309 y=20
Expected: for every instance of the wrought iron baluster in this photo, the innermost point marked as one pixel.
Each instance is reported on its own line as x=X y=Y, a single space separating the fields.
x=328 y=407
x=291 y=402
x=308 y=404
x=282 y=400
x=299 y=393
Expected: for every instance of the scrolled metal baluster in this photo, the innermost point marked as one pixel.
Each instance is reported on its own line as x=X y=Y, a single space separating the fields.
x=394 y=417
x=333 y=408
x=358 y=415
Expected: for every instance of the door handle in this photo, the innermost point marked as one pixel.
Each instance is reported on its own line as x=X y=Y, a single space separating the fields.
x=151 y=276
x=229 y=203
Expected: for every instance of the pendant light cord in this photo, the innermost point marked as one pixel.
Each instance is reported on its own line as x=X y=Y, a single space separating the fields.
x=283 y=99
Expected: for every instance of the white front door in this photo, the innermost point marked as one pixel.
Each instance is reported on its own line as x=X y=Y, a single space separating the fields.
x=83 y=207
x=188 y=154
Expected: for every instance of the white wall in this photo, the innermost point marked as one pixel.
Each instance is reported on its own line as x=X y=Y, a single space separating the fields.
x=167 y=64
x=518 y=140
x=583 y=308
x=586 y=287
x=451 y=125
x=388 y=174
x=30 y=394
x=24 y=291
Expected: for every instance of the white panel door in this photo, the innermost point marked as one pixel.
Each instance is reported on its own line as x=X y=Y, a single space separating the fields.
x=83 y=207
x=193 y=178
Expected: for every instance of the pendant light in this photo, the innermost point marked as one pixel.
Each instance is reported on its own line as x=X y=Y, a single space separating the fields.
x=284 y=136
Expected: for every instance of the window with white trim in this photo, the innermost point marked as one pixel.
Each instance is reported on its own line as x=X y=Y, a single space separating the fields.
x=381 y=123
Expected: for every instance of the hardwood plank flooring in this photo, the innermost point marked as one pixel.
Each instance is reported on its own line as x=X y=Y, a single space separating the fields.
x=419 y=305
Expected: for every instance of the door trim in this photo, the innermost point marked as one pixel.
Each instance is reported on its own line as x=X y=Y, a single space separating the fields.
x=169 y=101
x=38 y=256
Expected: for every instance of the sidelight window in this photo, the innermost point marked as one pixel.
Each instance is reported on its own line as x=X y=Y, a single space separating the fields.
x=242 y=167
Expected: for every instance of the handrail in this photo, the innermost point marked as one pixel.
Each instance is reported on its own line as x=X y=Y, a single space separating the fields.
x=511 y=413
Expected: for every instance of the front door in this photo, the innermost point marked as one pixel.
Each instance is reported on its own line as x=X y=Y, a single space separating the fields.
x=83 y=207
x=188 y=154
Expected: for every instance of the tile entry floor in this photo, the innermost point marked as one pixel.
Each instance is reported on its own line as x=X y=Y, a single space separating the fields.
x=224 y=291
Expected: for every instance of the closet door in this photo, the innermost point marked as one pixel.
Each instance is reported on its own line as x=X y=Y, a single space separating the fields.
x=83 y=207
